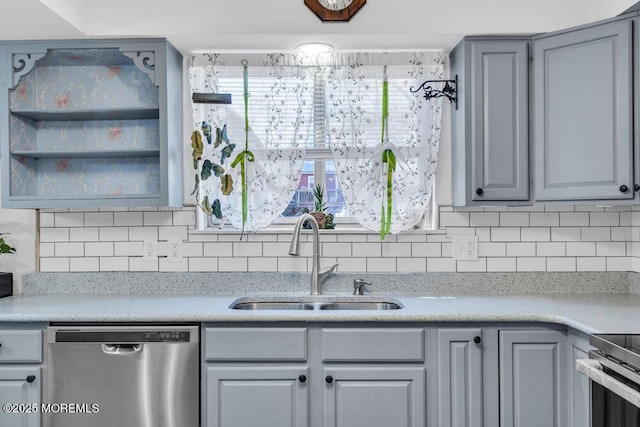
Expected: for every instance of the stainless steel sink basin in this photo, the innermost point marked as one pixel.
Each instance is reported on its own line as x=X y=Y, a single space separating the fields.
x=324 y=304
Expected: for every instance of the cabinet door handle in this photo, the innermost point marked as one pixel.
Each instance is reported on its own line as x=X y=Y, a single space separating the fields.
x=636 y=187
x=31 y=378
x=623 y=188
x=477 y=339
x=479 y=191
x=329 y=379
x=302 y=378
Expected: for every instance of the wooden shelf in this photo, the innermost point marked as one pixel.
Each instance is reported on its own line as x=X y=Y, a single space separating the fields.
x=89 y=114
x=87 y=154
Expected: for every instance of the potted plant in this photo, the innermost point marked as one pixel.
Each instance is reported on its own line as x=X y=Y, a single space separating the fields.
x=6 y=279
x=324 y=220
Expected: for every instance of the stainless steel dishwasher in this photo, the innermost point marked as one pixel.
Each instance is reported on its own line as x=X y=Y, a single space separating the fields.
x=125 y=376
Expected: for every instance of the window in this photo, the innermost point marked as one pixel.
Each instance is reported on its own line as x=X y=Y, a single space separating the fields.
x=311 y=116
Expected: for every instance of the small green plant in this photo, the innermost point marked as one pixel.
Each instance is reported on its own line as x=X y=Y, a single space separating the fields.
x=318 y=193
x=4 y=248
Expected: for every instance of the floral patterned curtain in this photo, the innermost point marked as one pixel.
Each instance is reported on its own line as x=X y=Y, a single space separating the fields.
x=279 y=129
x=353 y=102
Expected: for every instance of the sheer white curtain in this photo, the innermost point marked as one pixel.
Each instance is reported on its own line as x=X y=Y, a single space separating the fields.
x=353 y=103
x=280 y=105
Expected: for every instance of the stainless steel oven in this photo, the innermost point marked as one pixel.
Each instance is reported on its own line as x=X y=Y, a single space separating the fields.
x=614 y=370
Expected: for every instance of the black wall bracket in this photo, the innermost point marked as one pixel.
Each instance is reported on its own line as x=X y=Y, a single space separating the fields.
x=449 y=90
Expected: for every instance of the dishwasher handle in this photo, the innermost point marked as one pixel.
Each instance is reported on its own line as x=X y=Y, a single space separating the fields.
x=121 y=349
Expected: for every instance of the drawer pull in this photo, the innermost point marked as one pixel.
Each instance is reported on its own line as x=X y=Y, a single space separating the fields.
x=31 y=378
x=329 y=379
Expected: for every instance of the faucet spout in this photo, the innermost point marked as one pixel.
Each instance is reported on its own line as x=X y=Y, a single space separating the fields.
x=317 y=277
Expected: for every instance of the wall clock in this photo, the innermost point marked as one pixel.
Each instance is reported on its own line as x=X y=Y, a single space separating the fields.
x=335 y=10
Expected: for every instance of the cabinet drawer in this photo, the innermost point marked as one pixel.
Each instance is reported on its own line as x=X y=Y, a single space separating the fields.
x=274 y=344
x=370 y=345
x=24 y=346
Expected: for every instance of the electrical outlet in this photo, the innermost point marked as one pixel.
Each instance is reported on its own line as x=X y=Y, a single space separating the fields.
x=149 y=250
x=465 y=248
x=174 y=250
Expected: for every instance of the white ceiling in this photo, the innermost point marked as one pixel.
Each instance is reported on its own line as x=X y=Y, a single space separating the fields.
x=201 y=25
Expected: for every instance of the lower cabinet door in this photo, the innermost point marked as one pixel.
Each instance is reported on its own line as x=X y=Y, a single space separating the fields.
x=374 y=397
x=460 y=377
x=533 y=378
x=20 y=396
x=256 y=396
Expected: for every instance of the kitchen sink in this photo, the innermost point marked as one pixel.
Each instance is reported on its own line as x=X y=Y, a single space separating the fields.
x=315 y=304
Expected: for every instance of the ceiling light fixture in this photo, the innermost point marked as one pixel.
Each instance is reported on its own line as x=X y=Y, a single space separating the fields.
x=314 y=48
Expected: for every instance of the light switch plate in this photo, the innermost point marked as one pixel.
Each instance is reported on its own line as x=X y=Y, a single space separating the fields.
x=465 y=248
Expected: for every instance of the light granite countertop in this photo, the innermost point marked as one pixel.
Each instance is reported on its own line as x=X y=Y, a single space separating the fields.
x=589 y=313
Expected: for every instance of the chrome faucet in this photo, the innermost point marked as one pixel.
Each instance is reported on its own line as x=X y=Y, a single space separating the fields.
x=317 y=277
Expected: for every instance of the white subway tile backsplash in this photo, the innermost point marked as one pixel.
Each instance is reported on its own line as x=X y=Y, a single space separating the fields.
x=381 y=265
x=501 y=264
x=484 y=219
x=549 y=249
x=514 y=219
x=613 y=249
x=524 y=238
x=521 y=249
x=396 y=250
x=54 y=264
x=114 y=264
x=535 y=234
x=531 y=264
x=505 y=234
x=544 y=219
x=114 y=234
x=86 y=234
x=479 y=265
x=426 y=250
x=574 y=219
x=84 y=264
x=565 y=234
x=132 y=219
x=591 y=264
x=98 y=249
x=203 y=264
x=54 y=234
x=67 y=219
x=561 y=264
x=581 y=249
x=140 y=264
x=352 y=265
x=596 y=234
x=597 y=219
x=441 y=265
x=157 y=218
x=98 y=219
x=411 y=265
x=69 y=249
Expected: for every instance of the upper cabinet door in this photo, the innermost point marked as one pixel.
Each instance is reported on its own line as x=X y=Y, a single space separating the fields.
x=490 y=129
x=582 y=114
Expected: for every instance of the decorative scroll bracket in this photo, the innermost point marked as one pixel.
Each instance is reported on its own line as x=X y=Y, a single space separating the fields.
x=22 y=64
x=448 y=91
x=145 y=61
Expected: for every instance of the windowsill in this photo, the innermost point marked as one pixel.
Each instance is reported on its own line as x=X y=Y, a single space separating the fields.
x=287 y=229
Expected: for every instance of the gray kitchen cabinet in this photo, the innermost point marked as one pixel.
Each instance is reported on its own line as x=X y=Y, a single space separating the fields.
x=582 y=113
x=20 y=396
x=489 y=130
x=579 y=386
x=89 y=123
x=20 y=374
x=460 y=375
x=379 y=396
x=257 y=396
x=533 y=378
